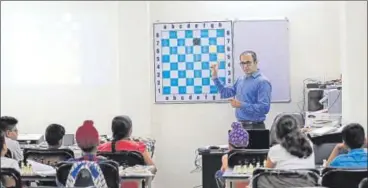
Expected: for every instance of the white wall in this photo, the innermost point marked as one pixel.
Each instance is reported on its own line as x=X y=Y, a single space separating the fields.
x=37 y=101
x=42 y=29
x=354 y=66
x=314 y=43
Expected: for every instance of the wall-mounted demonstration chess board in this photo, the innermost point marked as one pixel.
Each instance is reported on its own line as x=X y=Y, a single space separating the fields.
x=184 y=53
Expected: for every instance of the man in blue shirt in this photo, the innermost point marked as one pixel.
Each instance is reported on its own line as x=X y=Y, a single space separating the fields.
x=251 y=92
x=354 y=141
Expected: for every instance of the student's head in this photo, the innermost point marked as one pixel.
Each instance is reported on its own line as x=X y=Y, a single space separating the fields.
x=8 y=125
x=3 y=148
x=249 y=62
x=87 y=137
x=121 y=127
x=54 y=135
x=238 y=136
x=291 y=138
x=353 y=135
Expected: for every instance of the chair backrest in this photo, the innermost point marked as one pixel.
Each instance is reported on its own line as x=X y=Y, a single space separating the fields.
x=124 y=158
x=110 y=170
x=259 y=139
x=322 y=152
x=276 y=178
x=343 y=177
x=246 y=157
x=10 y=173
x=48 y=156
x=299 y=118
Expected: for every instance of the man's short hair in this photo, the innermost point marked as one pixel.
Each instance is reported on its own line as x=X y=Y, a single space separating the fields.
x=353 y=135
x=7 y=123
x=250 y=52
x=54 y=133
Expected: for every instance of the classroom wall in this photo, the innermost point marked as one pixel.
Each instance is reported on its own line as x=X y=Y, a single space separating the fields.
x=108 y=25
x=354 y=65
x=181 y=129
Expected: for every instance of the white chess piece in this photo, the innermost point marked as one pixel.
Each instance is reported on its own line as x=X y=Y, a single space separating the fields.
x=251 y=168
x=258 y=165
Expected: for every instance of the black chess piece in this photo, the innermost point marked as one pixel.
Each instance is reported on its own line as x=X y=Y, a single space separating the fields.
x=196 y=41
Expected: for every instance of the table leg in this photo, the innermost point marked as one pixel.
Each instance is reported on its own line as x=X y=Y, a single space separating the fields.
x=228 y=183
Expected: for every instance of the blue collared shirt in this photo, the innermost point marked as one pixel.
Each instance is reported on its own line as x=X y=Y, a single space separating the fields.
x=254 y=94
x=356 y=158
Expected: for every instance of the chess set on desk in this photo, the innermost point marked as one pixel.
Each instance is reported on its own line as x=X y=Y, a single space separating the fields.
x=32 y=168
x=247 y=169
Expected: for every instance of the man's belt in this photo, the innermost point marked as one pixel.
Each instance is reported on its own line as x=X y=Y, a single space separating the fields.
x=245 y=122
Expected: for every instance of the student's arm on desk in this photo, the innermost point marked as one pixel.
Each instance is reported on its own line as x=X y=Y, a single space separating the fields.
x=148 y=160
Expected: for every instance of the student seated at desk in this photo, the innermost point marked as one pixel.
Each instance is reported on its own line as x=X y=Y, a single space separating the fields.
x=5 y=161
x=294 y=150
x=8 y=125
x=238 y=138
x=87 y=139
x=122 y=129
x=354 y=141
x=54 y=136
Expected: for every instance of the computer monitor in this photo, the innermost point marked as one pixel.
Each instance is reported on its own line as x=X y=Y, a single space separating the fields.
x=68 y=140
x=259 y=139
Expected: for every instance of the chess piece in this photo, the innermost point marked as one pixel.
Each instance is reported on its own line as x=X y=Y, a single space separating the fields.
x=258 y=165
x=250 y=169
x=30 y=169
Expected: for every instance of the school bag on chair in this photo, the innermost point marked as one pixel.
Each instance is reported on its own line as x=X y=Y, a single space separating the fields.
x=86 y=174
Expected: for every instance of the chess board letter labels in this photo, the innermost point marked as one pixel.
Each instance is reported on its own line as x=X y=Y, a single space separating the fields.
x=183 y=55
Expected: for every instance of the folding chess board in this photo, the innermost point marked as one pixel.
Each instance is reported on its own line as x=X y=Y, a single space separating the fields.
x=184 y=53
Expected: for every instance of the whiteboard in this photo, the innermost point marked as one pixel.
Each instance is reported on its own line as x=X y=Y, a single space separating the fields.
x=270 y=40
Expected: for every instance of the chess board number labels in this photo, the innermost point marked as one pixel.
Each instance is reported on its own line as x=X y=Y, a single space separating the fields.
x=184 y=53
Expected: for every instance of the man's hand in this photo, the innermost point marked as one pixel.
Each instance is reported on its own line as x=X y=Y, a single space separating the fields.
x=235 y=103
x=214 y=71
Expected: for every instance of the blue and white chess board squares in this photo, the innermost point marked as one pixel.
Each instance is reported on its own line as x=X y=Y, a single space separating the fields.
x=184 y=53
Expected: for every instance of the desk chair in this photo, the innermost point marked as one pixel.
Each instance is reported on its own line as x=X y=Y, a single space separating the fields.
x=298 y=117
x=343 y=177
x=124 y=158
x=246 y=157
x=48 y=156
x=110 y=170
x=276 y=178
x=322 y=152
x=7 y=174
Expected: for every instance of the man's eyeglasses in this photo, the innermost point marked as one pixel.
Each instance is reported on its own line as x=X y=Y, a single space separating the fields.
x=247 y=63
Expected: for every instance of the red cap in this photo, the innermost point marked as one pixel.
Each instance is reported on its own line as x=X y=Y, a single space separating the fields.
x=87 y=135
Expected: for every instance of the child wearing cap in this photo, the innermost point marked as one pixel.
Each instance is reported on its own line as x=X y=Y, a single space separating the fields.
x=238 y=138
x=87 y=139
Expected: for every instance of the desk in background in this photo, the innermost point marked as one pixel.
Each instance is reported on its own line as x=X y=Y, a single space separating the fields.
x=211 y=162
